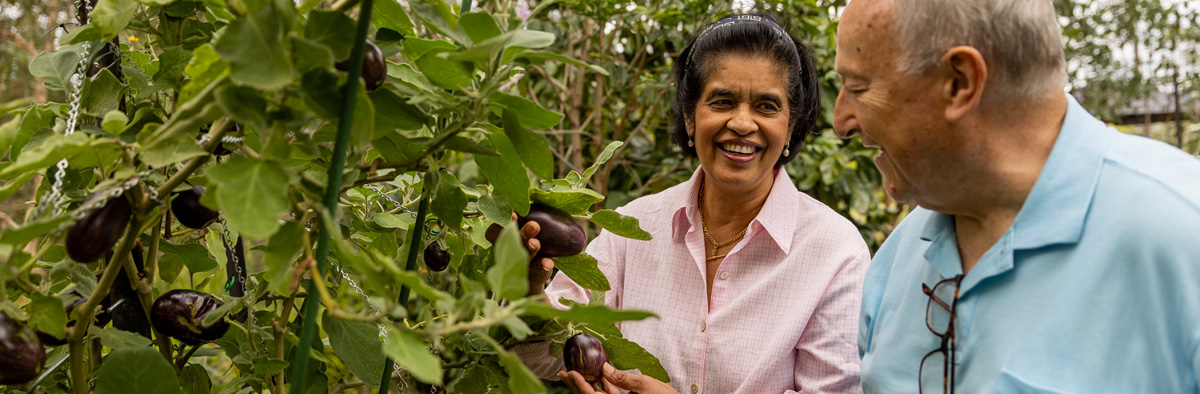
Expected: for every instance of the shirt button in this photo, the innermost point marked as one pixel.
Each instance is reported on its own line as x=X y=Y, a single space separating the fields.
x=695 y=389
x=725 y=275
x=703 y=326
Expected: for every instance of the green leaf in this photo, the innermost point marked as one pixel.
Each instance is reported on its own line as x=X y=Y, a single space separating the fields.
x=56 y=66
x=8 y=134
x=506 y=173
x=265 y=365
x=391 y=15
x=479 y=26
x=192 y=255
x=137 y=371
x=282 y=249
x=467 y=145
x=47 y=314
x=538 y=156
x=598 y=314
x=244 y=105
x=625 y=226
x=254 y=47
x=204 y=68
x=494 y=208
x=387 y=220
x=572 y=201
x=600 y=160
x=172 y=63
x=29 y=231
x=358 y=345
x=101 y=94
x=111 y=16
x=584 y=270
x=447 y=74
x=520 y=378
x=393 y=112
x=450 y=201
x=114 y=121
x=415 y=48
x=408 y=76
x=117 y=339
x=418 y=286
x=362 y=131
x=625 y=354
x=53 y=149
x=332 y=29
x=252 y=195
x=194 y=379
x=532 y=115
x=174 y=141
x=412 y=354
x=541 y=56
x=438 y=16
x=310 y=54
x=87 y=33
x=507 y=276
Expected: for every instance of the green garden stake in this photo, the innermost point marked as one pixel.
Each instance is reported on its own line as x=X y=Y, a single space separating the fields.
x=422 y=208
x=332 y=191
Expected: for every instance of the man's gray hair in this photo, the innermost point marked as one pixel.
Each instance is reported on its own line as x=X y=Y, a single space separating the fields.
x=1020 y=40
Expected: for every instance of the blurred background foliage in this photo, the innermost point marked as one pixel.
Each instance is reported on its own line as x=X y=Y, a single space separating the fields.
x=1118 y=52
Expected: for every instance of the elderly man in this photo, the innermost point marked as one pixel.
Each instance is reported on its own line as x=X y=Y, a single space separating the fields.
x=1050 y=253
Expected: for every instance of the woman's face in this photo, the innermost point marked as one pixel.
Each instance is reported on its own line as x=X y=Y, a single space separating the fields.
x=741 y=122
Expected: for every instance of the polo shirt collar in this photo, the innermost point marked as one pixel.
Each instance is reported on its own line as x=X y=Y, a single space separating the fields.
x=777 y=217
x=1057 y=206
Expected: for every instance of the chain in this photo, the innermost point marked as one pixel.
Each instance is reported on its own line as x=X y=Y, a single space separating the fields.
x=389 y=198
x=56 y=195
x=103 y=199
x=237 y=266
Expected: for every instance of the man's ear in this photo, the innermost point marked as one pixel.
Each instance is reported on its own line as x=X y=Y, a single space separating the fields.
x=966 y=75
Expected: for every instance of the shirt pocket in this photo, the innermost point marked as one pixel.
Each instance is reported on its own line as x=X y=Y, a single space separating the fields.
x=1011 y=382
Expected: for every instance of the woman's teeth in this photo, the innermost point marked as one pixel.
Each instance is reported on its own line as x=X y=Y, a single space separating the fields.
x=739 y=149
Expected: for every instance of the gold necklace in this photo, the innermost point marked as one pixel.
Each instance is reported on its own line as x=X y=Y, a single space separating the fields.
x=716 y=245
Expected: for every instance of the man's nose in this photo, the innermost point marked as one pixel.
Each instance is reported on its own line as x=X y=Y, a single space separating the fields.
x=845 y=123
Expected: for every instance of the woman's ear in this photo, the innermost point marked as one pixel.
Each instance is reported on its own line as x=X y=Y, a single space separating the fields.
x=965 y=75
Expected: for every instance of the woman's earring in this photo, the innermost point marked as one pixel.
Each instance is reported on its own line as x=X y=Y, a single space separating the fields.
x=787 y=150
x=691 y=142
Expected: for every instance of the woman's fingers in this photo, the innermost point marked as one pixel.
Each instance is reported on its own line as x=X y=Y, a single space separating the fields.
x=530 y=229
x=547 y=264
x=576 y=382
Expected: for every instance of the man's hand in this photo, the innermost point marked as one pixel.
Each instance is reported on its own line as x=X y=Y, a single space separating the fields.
x=614 y=379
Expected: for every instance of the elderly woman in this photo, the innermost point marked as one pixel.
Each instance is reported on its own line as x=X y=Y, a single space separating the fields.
x=756 y=285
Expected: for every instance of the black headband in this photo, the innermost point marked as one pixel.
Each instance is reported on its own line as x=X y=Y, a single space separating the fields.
x=730 y=21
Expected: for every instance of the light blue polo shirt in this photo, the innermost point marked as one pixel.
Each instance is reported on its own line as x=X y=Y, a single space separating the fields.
x=1094 y=289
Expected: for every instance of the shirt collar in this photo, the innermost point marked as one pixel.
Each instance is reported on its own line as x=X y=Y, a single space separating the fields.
x=778 y=215
x=1057 y=206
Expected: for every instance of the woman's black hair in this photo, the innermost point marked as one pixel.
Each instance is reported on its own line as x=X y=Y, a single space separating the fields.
x=753 y=35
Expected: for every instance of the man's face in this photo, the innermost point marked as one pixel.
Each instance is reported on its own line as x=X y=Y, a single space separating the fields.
x=886 y=108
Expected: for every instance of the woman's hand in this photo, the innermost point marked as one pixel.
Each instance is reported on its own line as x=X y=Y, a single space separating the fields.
x=615 y=379
x=539 y=267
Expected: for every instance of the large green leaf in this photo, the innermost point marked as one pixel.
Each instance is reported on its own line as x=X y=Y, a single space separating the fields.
x=537 y=154
x=204 y=68
x=172 y=63
x=479 y=26
x=506 y=173
x=192 y=255
x=507 y=276
x=572 y=201
x=255 y=48
x=245 y=105
x=626 y=354
x=449 y=202
x=532 y=115
x=56 y=66
x=390 y=14
x=625 y=226
x=137 y=371
x=447 y=74
x=53 y=149
x=412 y=354
x=174 y=140
x=46 y=314
x=520 y=378
x=584 y=270
x=597 y=314
x=101 y=94
x=117 y=339
x=393 y=112
x=358 y=345
x=332 y=29
x=251 y=194
x=281 y=251
x=111 y=16
x=439 y=17
x=194 y=379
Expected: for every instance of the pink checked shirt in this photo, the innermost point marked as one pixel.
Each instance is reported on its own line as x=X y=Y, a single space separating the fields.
x=785 y=305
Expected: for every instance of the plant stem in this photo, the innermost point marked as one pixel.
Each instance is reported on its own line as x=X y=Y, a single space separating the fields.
x=413 y=248
x=87 y=311
x=332 y=191
x=182 y=362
